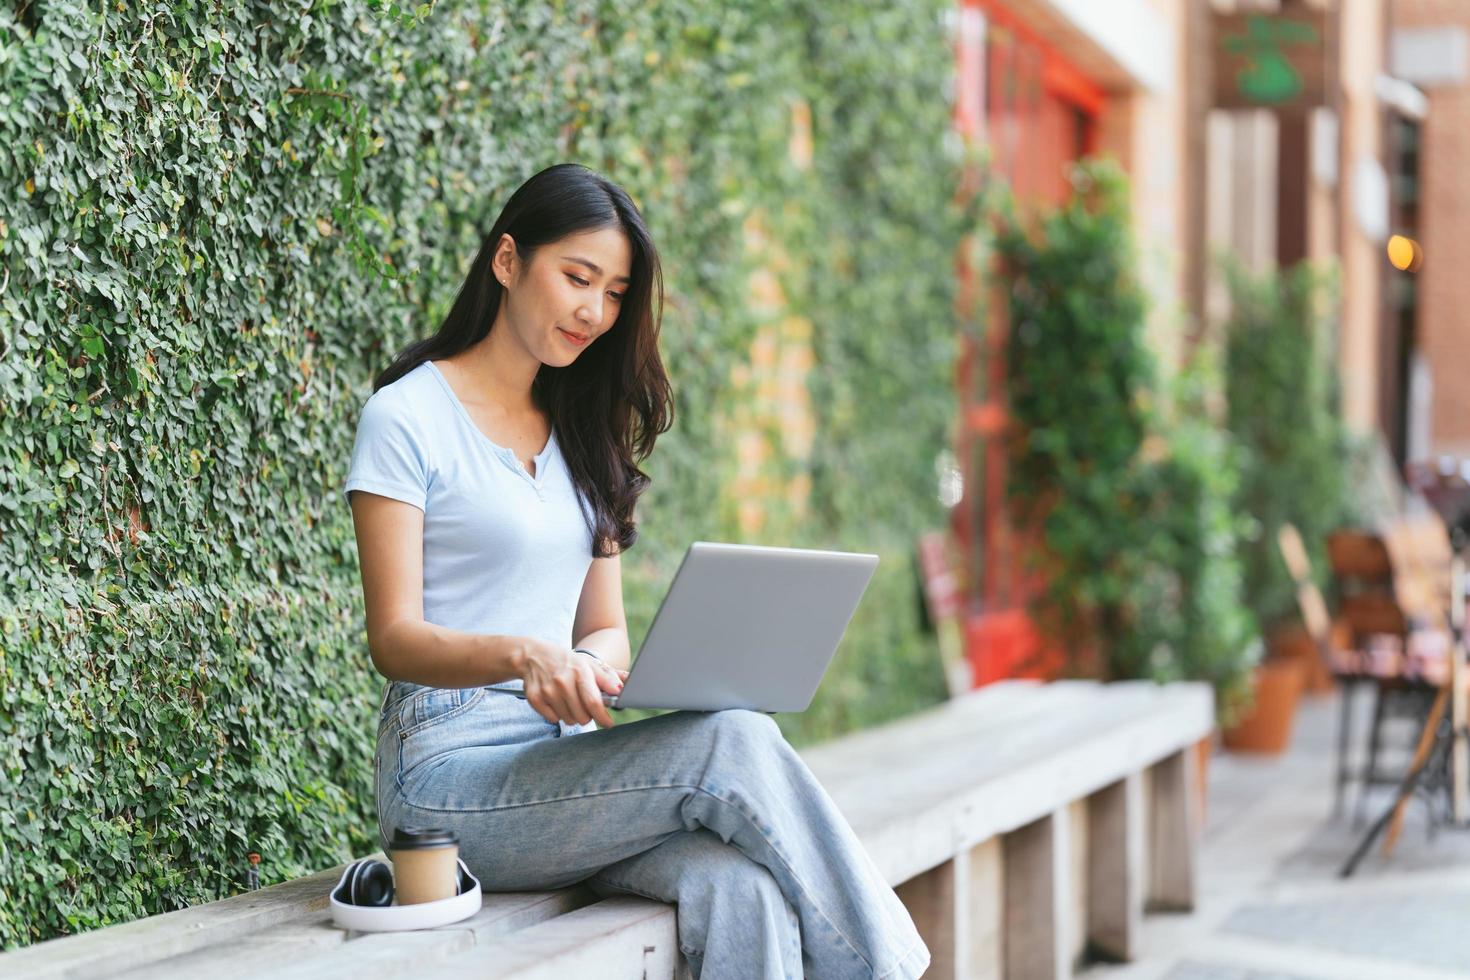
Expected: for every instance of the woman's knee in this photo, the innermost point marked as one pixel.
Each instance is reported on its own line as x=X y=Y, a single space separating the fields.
x=741 y=725
x=725 y=877
x=746 y=755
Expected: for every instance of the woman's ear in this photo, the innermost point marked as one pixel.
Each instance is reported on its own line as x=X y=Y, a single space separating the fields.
x=503 y=264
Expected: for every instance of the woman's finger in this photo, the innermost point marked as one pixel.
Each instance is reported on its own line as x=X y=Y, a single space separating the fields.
x=556 y=704
x=543 y=705
x=571 y=690
x=592 y=701
x=620 y=673
x=607 y=679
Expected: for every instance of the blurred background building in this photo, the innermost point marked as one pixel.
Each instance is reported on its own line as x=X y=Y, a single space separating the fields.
x=1335 y=131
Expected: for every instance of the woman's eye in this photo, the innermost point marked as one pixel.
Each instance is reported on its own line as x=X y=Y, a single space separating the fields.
x=584 y=282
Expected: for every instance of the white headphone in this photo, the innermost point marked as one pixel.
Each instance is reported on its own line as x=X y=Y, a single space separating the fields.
x=363 y=901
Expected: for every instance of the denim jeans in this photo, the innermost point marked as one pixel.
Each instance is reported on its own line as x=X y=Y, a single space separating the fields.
x=712 y=811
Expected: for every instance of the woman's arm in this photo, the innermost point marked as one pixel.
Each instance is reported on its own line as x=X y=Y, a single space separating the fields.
x=560 y=685
x=601 y=624
x=390 y=544
x=425 y=653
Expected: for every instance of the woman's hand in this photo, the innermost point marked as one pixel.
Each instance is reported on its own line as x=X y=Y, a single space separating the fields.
x=566 y=686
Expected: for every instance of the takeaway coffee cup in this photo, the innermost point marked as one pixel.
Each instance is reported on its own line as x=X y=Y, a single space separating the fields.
x=425 y=864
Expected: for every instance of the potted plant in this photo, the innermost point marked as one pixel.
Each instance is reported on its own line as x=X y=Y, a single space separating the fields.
x=1282 y=414
x=1131 y=500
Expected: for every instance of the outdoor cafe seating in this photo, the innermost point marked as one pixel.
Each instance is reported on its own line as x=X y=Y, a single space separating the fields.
x=1391 y=635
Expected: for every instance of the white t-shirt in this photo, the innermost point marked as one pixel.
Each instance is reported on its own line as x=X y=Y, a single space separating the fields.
x=504 y=552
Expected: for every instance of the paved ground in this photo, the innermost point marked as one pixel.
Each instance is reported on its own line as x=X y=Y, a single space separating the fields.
x=1272 y=906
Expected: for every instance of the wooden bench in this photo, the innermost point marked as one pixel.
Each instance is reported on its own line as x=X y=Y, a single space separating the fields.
x=1024 y=825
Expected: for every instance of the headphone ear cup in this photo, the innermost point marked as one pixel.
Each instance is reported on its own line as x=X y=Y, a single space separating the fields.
x=371 y=884
x=348 y=891
x=367 y=882
x=344 y=890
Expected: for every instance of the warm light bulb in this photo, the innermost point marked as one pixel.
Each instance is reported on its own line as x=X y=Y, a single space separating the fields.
x=1404 y=253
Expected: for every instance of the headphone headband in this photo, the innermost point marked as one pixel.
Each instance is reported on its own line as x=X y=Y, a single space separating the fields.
x=362 y=900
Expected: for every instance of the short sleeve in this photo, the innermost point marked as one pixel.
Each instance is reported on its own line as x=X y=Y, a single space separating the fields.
x=388 y=457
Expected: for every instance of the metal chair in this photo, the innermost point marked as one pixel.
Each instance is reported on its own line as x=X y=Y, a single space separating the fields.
x=1364 y=571
x=1347 y=667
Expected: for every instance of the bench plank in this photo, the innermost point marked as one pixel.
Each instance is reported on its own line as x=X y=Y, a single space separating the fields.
x=934 y=759
x=927 y=762
x=622 y=936
x=315 y=949
x=380 y=953
x=991 y=709
x=911 y=827
x=135 y=944
x=261 y=952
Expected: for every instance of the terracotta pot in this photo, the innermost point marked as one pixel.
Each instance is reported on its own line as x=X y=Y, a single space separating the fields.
x=1295 y=643
x=1266 y=725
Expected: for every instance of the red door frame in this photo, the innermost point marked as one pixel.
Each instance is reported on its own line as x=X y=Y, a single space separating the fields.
x=1004 y=98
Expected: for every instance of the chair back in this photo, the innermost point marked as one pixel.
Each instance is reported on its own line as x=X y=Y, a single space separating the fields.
x=1359 y=558
x=1364 y=571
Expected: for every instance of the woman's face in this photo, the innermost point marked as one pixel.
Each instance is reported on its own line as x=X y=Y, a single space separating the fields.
x=568 y=295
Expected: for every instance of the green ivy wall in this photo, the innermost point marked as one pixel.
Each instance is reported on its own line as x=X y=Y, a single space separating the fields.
x=217 y=231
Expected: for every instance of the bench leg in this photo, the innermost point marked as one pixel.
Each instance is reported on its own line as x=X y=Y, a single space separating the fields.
x=1173 y=834
x=937 y=900
x=957 y=909
x=1115 y=869
x=986 y=926
x=1037 y=932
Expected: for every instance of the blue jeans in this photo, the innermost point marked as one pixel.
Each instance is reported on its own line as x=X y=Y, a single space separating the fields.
x=713 y=811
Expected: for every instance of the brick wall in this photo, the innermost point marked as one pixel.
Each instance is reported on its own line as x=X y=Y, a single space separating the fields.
x=1444 y=223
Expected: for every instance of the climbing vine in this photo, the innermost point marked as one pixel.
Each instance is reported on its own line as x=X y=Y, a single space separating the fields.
x=221 y=222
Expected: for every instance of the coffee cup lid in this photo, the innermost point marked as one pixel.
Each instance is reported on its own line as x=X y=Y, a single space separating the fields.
x=411 y=838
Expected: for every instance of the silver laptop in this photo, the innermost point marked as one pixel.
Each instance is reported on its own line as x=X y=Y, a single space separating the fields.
x=746 y=626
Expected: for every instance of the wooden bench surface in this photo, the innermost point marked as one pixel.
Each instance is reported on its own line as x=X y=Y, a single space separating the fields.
x=916 y=791
x=993 y=761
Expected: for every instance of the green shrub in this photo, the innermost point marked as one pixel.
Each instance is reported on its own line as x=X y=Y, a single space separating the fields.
x=1192 y=622
x=1133 y=507
x=1281 y=391
x=1078 y=374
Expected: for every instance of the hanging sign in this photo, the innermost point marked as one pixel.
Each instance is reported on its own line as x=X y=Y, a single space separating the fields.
x=1273 y=59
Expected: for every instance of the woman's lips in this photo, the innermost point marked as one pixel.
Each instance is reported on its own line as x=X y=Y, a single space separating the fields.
x=573 y=339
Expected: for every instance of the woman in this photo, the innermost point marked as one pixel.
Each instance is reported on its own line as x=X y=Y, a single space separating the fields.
x=496 y=480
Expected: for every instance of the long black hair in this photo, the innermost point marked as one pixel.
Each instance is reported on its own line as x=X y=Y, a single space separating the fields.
x=609 y=405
